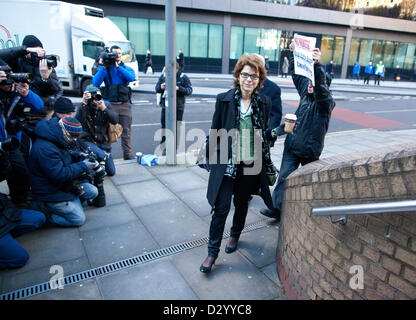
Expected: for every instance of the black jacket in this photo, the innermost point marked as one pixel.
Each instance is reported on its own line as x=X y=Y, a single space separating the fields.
x=224 y=118
x=272 y=90
x=95 y=123
x=184 y=85
x=148 y=59
x=313 y=115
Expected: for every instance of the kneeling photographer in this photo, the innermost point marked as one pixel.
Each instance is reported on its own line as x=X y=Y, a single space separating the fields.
x=95 y=116
x=56 y=176
x=15 y=97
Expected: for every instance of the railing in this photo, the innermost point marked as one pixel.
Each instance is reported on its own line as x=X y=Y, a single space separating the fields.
x=368 y=208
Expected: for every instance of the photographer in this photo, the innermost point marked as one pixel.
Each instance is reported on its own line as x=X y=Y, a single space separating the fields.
x=56 y=176
x=116 y=76
x=14 y=97
x=95 y=116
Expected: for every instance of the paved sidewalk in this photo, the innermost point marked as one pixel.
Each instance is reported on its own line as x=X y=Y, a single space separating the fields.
x=150 y=213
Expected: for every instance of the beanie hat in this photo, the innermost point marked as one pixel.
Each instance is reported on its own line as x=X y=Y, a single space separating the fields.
x=92 y=89
x=71 y=126
x=63 y=105
x=31 y=41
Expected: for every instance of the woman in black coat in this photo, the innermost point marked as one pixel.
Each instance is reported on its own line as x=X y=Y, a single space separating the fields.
x=239 y=153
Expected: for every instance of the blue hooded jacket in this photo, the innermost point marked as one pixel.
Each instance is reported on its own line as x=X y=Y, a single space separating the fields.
x=50 y=164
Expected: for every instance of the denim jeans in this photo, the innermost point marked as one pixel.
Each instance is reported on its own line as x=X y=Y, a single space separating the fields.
x=242 y=187
x=290 y=163
x=110 y=168
x=12 y=254
x=68 y=213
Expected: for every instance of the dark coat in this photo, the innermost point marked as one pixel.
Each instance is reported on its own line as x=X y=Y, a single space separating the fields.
x=272 y=90
x=184 y=85
x=148 y=60
x=224 y=118
x=10 y=216
x=51 y=165
x=313 y=115
x=95 y=123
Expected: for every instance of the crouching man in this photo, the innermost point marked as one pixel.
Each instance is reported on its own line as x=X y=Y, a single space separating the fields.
x=58 y=180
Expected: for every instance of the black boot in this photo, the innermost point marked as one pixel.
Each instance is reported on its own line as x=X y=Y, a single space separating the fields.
x=99 y=201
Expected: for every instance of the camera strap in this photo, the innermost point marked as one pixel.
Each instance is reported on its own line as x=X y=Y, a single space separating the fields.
x=13 y=105
x=109 y=75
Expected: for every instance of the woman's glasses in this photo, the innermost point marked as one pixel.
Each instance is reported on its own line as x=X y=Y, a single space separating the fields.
x=253 y=76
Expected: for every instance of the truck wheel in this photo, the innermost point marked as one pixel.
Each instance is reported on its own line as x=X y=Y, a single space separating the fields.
x=85 y=84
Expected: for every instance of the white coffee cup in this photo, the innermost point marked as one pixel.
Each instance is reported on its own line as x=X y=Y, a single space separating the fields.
x=290 y=120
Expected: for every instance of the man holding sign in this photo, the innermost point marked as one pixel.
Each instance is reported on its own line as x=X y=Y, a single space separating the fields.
x=306 y=142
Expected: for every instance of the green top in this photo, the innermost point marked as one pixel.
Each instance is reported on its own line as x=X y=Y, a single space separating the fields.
x=246 y=134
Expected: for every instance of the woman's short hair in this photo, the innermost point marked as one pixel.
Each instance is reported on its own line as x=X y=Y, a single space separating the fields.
x=253 y=61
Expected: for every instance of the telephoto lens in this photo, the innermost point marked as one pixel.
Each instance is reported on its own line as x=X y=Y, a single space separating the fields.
x=9 y=144
x=20 y=77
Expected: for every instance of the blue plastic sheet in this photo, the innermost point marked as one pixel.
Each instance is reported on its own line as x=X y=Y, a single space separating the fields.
x=149 y=160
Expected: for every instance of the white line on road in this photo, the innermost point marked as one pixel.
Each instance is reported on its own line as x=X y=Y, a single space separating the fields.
x=393 y=111
x=158 y=124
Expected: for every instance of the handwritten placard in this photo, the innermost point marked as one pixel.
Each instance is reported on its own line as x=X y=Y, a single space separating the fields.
x=303 y=56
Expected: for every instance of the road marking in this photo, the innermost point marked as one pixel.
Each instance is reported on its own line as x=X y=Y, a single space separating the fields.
x=158 y=124
x=140 y=101
x=193 y=101
x=393 y=111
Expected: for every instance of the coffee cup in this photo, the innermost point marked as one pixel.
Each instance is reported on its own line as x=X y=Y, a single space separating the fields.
x=290 y=120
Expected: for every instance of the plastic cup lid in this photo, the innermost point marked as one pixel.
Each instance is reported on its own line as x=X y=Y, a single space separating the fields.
x=291 y=116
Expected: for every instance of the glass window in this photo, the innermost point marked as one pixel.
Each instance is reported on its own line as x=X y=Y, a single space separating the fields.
x=157 y=37
x=92 y=49
x=401 y=50
x=338 y=53
x=388 y=53
x=355 y=45
x=377 y=53
x=410 y=56
x=139 y=34
x=199 y=40
x=236 y=42
x=327 y=44
x=252 y=40
x=121 y=23
x=366 y=47
x=182 y=37
x=270 y=43
x=215 y=41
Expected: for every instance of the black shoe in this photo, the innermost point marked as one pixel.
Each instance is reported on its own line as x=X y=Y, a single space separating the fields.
x=231 y=245
x=128 y=157
x=271 y=213
x=211 y=262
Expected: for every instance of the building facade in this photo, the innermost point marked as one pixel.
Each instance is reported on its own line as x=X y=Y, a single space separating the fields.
x=213 y=34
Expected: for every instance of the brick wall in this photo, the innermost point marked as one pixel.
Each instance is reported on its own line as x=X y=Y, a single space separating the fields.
x=314 y=257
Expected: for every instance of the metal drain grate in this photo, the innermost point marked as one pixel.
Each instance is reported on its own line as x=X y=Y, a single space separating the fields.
x=120 y=265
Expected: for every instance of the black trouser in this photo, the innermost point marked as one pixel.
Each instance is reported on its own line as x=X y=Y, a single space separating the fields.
x=13 y=169
x=377 y=79
x=243 y=186
x=366 y=78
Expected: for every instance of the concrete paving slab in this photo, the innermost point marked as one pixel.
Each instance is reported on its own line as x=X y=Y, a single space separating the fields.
x=150 y=281
x=271 y=272
x=131 y=172
x=145 y=193
x=171 y=222
x=201 y=172
x=87 y=290
x=41 y=275
x=183 y=181
x=112 y=195
x=49 y=246
x=115 y=243
x=108 y=216
x=197 y=201
x=233 y=277
x=259 y=246
x=165 y=169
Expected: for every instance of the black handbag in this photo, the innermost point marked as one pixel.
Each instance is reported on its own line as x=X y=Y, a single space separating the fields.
x=271 y=173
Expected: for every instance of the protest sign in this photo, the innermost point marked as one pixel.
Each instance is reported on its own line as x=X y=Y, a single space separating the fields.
x=303 y=56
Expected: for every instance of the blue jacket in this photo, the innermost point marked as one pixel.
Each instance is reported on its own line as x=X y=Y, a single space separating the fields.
x=51 y=166
x=369 y=69
x=356 y=69
x=121 y=75
x=32 y=100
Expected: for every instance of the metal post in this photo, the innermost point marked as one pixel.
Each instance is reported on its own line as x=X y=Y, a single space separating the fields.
x=170 y=63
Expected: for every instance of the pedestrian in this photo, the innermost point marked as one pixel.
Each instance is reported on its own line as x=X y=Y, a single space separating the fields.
x=285 y=67
x=330 y=69
x=183 y=89
x=379 y=72
x=307 y=141
x=356 y=71
x=148 y=63
x=368 y=71
x=180 y=59
x=239 y=112
x=266 y=63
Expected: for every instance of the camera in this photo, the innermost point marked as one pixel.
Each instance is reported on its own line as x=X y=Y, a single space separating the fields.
x=14 y=77
x=22 y=119
x=51 y=60
x=95 y=96
x=109 y=58
x=99 y=168
x=9 y=144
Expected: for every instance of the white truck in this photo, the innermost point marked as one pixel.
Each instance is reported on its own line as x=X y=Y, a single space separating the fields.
x=76 y=33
